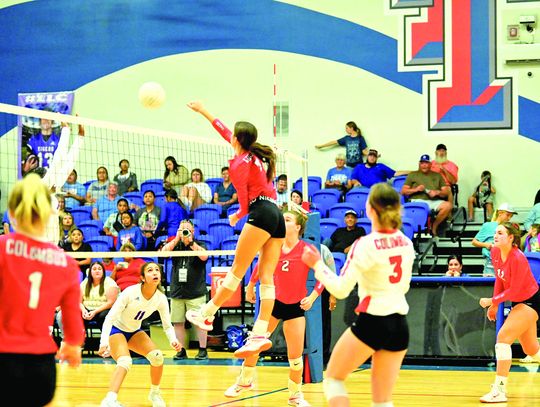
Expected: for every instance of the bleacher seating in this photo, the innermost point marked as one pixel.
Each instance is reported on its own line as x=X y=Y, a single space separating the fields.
x=135 y=198
x=81 y=214
x=213 y=183
x=323 y=199
x=205 y=214
x=419 y=212
x=328 y=226
x=338 y=210
x=408 y=227
x=534 y=263
x=358 y=197
x=397 y=182
x=339 y=259
x=365 y=223
x=91 y=228
x=154 y=184
x=314 y=184
x=220 y=229
x=100 y=243
x=87 y=183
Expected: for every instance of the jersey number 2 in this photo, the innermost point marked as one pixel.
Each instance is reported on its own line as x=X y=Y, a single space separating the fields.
x=396 y=276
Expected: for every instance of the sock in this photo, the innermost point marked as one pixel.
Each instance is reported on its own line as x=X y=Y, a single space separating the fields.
x=385 y=404
x=294 y=387
x=536 y=356
x=246 y=374
x=111 y=395
x=154 y=387
x=260 y=327
x=501 y=382
x=209 y=309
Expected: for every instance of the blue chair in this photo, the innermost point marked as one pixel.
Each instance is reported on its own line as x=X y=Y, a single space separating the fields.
x=328 y=226
x=81 y=214
x=358 y=197
x=154 y=184
x=240 y=224
x=205 y=214
x=339 y=259
x=397 y=182
x=534 y=263
x=213 y=183
x=229 y=243
x=338 y=210
x=208 y=240
x=323 y=199
x=98 y=246
x=160 y=240
x=87 y=183
x=101 y=241
x=364 y=222
x=314 y=184
x=219 y=230
x=167 y=269
x=408 y=227
x=91 y=228
x=134 y=198
x=419 y=212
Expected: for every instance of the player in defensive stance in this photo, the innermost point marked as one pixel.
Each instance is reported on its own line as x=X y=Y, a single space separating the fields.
x=252 y=171
x=122 y=333
x=381 y=263
x=514 y=282
x=35 y=277
x=292 y=301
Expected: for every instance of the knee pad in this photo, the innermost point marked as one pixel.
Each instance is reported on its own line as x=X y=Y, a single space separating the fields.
x=267 y=292
x=334 y=388
x=296 y=364
x=503 y=351
x=125 y=362
x=155 y=357
x=231 y=282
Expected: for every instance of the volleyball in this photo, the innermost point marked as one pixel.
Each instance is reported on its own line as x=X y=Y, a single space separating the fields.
x=151 y=95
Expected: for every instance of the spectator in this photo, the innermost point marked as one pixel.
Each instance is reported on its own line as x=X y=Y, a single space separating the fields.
x=129 y=233
x=281 y=190
x=6 y=224
x=531 y=239
x=126 y=180
x=43 y=144
x=455 y=267
x=484 y=237
x=532 y=217
x=128 y=271
x=113 y=224
x=197 y=192
x=147 y=219
x=66 y=227
x=483 y=196
x=176 y=176
x=98 y=188
x=188 y=286
x=427 y=186
x=298 y=198
x=75 y=192
x=354 y=143
x=171 y=214
x=109 y=264
x=447 y=169
x=106 y=204
x=225 y=194
x=343 y=238
x=338 y=177
x=372 y=172
x=78 y=244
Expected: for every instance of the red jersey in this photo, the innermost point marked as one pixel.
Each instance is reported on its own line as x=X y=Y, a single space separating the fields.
x=248 y=175
x=290 y=276
x=514 y=280
x=130 y=275
x=35 y=278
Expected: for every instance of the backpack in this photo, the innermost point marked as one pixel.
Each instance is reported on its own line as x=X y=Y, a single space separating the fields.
x=236 y=335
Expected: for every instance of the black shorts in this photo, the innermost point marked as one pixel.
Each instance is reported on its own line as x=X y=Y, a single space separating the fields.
x=264 y=214
x=389 y=332
x=31 y=379
x=287 y=311
x=533 y=302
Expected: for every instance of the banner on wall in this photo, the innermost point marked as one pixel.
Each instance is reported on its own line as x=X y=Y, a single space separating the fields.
x=38 y=139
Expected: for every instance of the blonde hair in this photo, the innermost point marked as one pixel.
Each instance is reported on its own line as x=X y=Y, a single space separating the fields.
x=386 y=203
x=29 y=205
x=300 y=220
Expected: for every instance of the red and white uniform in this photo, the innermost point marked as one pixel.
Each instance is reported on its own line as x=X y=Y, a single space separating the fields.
x=514 y=280
x=290 y=276
x=381 y=263
x=36 y=277
x=248 y=175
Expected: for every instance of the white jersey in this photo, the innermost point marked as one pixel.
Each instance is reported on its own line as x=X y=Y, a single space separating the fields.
x=381 y=263
x=129 y=310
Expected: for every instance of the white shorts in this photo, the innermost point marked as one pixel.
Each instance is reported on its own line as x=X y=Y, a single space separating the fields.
x=432 y=203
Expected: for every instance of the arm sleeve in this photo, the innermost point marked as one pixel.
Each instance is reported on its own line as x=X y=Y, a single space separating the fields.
x=165 y=316
x=242 y=175
x=530 y=218
x=255 y=274
x=363 y=144
x=63 y=160
x=342 y=141
x=115 y=312
x=71 y=312
x=134 y=184
x=222 y=130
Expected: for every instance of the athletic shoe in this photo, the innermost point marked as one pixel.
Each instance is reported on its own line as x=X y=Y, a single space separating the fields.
x=496 y=395
x=155 y=398
x=110 y=403
x=196 y=318
x=202 y=355
x=528 y=359
x=236 y=389
x=298 y=400
x=254 y=345
x=181 y=355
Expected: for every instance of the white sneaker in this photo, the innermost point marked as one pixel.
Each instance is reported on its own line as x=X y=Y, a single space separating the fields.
x=155 y=398
x=528 y=359
x=254 y=345
x=236 y=389
x=110 y=403
x=298 y=400
x=196 y=318
x=496 y=395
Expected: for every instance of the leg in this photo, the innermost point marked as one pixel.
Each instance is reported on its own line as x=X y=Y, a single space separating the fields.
x=385 y=367
x=195 y=198
x=180 y=331
x=470 y=207
x=529 y=341
x=294 y=331
x=489 y=210
x=444 y=210
x=348 y=354
x=120 y=353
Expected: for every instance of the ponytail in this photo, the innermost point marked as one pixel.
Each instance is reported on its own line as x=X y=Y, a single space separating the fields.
x=30 y=205
x=386 y=202
x=267 y=155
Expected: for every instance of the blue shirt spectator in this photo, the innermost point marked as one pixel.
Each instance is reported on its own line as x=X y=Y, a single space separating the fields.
x=75 y=192
x=532 y=217
x=225 y=193
x=106 y=204
x=6 y=224
x=130 y=234
x=354 y=143
x=372 y=172
x=171 y=214
x=338 y=176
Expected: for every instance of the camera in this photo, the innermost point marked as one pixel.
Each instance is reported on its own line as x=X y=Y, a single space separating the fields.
x=185 y=232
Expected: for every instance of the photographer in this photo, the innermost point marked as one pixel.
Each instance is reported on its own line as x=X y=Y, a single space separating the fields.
x=188 y=286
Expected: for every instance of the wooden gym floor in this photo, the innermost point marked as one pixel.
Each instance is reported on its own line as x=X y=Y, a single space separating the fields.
x=201 y=383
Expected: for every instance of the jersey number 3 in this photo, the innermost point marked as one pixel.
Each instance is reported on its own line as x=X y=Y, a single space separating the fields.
x=396 y=276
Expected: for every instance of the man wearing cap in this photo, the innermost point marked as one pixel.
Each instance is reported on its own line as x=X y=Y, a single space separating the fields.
x=445 y=167
x=485 y=236
x=343 y=238
x=428 y=186
x=338 y=177
x=372 y=172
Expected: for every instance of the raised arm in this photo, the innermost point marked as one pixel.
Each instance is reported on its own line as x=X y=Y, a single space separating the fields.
x=216 y=123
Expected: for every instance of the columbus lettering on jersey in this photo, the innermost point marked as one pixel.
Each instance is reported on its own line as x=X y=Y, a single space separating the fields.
x=390 y=242
x=19 y=248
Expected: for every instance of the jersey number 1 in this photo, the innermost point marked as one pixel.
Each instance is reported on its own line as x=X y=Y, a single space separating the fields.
x=396 y=276
x=35 y=285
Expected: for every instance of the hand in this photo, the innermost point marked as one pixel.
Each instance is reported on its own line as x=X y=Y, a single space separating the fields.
x=310 y=256
x=30 y=164
x=168 y=247
x=492 y=312
x=485 y=302
x=187 y=240
x=176 y=346
x=306 y=303
x=195 y=106
x=332 y=303
x=420 y=188
x=167 y=185
x=104 y=351
x=81 y=128
x=233 y=219
x=433 y=193
x=90 y=315
x=318 y=146
x=250 y=293
x=70 y=354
